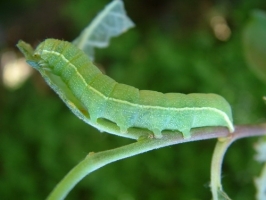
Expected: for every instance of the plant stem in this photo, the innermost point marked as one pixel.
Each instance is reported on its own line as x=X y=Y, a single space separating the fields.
x=95 y=161
x=216 y=166
x=219 y=152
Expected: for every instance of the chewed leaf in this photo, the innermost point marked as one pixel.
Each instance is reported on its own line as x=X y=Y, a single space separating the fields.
x=112 y=21
x=254 y=41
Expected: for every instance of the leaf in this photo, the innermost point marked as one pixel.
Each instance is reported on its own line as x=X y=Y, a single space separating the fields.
x=112 y=21
x=254 y=42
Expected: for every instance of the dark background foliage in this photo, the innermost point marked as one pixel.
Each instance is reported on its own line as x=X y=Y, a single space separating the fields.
x=172 y=49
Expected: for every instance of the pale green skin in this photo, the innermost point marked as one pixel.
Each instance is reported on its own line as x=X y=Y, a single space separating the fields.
x=126 y=106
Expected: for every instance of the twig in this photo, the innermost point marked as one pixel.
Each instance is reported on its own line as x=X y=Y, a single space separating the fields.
x=95 y=161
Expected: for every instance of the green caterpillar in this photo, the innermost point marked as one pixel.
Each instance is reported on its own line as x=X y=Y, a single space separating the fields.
x=124 y=105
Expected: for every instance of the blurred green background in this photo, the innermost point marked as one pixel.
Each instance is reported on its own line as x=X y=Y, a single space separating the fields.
x=176 y=46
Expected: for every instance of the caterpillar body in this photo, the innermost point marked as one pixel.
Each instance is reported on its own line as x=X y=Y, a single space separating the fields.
x=125 y=105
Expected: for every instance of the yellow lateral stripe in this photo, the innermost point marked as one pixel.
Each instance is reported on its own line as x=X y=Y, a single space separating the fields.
x=134 y=104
